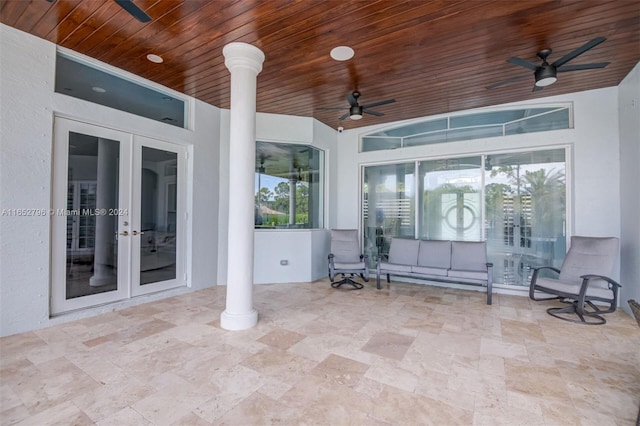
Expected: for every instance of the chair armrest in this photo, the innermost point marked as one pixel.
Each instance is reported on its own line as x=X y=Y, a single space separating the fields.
x=330 y=258
x=602 y=277
x=534 y=279
x=546 y=267
x=364 y=257
x=489 y=265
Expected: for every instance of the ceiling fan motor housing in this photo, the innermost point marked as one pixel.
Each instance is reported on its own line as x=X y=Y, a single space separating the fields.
x=545 y=75
x=355 y=112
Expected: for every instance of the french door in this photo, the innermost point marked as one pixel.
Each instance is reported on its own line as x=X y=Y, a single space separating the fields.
x=118 y=216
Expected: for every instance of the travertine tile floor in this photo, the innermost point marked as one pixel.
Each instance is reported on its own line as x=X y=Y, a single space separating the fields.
x=405 y=355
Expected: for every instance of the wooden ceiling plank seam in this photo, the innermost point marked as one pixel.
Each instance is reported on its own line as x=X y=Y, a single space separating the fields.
x=196 y=68
x=138 y=39
x=203 y=50
x=11 y=12
x=106 y=31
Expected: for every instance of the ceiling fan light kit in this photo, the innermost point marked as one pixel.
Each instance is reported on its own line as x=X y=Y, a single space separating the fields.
x=355 y=112
x=546 y=74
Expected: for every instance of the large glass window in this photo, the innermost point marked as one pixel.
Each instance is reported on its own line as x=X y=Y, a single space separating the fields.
x=289 y=185
x=514 y=201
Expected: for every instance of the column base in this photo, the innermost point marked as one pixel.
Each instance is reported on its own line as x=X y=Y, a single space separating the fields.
x=100 y=280
x=236 y=322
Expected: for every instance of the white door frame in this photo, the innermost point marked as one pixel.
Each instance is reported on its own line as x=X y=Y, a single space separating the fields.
x=129 y=179
x=181 y=226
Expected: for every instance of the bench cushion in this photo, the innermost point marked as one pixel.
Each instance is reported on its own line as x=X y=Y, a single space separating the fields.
x=403 y=251
x=425 y=270
x=434 y=254
x=468 y=256
x=384 y=266
x=469 y=275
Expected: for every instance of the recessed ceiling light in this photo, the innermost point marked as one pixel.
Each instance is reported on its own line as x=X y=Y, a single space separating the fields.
x=98 y=89
x=342 y=53
x=155 y=58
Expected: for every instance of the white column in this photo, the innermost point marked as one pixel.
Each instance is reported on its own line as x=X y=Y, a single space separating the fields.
x=106 y=191
x=244 y=62
x=292 y=200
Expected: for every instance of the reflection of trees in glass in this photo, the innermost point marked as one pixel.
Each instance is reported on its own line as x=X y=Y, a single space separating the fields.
x=276 y=203
x=547 y=191
x=545 y=188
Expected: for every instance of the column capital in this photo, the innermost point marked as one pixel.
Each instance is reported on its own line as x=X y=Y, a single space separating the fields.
x=238 y=54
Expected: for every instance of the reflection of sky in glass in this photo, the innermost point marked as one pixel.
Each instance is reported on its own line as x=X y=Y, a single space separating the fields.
x=468 y=177
x=390 y=183
x=270 y=182
x=267 y=181
x=502 y=178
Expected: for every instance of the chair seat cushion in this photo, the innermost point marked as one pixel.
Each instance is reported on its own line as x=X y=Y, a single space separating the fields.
x=595 y=289
x=469 y=275
x=442 y=272
x=394 y=267
x=341 y=265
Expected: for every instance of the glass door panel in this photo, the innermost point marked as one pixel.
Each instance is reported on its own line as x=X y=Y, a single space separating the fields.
x=450 y=199
x=89 y=258
x=159 y=225
x=525 y=196
x=388 y=206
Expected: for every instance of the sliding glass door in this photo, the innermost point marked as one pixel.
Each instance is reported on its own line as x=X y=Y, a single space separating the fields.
x=514 y=201
x=388 y=206
x=450 y=199
x=117 y=216
x=525 y=197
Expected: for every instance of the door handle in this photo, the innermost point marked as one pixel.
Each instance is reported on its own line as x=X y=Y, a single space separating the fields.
x=124 y=233
x=137 y=233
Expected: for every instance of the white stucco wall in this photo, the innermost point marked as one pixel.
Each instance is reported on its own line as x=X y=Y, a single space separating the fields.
x=629 y=113
x=28 y=104
x=303 y=249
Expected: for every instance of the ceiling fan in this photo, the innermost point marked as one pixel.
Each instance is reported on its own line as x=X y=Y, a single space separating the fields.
x=546 y=74
x=356 y=110
x=130 y=7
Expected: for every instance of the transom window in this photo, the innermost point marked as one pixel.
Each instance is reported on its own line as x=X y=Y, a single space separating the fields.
x=471 y=126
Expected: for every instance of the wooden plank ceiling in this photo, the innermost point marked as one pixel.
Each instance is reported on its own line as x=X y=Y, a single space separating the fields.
x=432 y=56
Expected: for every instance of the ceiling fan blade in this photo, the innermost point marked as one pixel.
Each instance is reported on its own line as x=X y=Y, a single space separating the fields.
x=579 y=51
x=372 y=112
x=345 y=115
x=375 y=104
x=536 y=88
x=509 y=81
x=583 y=67
x=523 y=63
x=133 y=10
x=352 y=100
